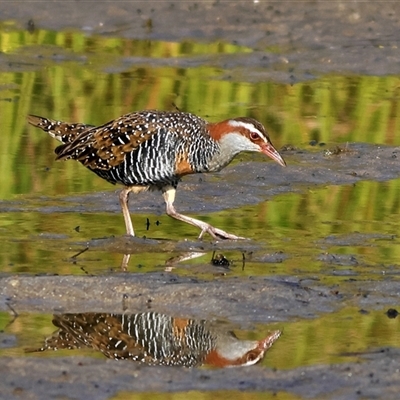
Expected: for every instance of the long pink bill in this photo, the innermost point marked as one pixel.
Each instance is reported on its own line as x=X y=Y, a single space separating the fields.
x=269 y=150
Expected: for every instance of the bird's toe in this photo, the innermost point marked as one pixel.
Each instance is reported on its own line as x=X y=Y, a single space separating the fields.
x=219 y=234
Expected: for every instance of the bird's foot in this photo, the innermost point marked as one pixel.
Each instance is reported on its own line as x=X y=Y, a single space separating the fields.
x=216 y=233
x=219 y=233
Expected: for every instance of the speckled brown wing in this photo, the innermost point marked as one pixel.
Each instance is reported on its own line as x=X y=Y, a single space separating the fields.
x=106 y=334
x=106 y=146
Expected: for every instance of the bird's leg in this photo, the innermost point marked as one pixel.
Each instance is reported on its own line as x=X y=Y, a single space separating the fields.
x=123 y=200
x=125 y=262
x=169 y=197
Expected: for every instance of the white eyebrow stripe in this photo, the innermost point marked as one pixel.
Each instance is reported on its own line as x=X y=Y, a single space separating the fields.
x=248 y=126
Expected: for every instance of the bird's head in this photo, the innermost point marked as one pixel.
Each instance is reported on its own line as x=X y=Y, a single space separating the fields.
x=232 y=352
x=244 y=134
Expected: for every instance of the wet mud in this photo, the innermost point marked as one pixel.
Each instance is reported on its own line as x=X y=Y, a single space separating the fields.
x=316 y=38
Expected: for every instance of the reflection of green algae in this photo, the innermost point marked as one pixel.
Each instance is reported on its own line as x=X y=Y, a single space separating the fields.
x=332 y=338
x=208 y=395
x=330 y=231
x=12 y=40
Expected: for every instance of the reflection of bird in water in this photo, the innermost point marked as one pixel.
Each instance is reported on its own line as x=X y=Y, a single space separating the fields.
x=156 y=339
x=149 y=150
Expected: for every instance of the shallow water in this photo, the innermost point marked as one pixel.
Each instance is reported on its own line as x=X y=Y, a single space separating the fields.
x=330 y=231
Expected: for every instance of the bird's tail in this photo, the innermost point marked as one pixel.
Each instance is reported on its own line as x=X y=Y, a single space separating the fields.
x=62 y=131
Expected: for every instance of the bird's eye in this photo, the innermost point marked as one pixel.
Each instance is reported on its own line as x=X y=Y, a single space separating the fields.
x=251 y=356
x=254 y=136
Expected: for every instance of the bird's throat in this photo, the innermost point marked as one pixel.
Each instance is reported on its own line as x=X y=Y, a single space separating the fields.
x=229 y=146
